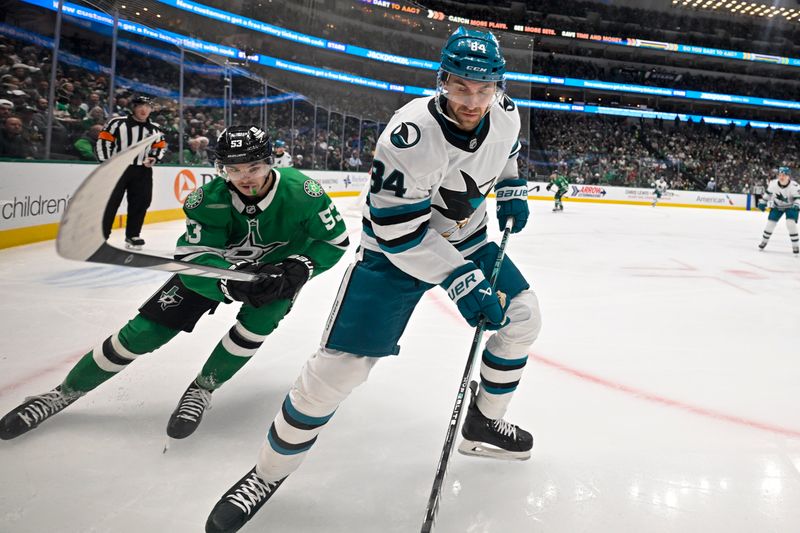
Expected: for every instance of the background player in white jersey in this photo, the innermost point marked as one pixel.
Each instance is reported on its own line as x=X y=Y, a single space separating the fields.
x=424 y=225
x=783 y=198
x=660 y=187
x=281 y=158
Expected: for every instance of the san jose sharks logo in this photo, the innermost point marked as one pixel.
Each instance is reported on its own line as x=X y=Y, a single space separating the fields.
x=461 y=204
x=405 y=135
x=170 y=298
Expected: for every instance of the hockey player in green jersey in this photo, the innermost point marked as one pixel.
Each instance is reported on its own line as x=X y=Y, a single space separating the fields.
x=252 y=217
x=562 y=185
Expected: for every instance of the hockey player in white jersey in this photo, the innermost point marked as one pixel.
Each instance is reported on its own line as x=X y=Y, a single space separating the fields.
x=659 y=190
x=425 y=224
x=783 y=198
x=281 y=158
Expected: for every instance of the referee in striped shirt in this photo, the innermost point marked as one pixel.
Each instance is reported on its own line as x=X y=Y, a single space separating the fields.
x=137 y=180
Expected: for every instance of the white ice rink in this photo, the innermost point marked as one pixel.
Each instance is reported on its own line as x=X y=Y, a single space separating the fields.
x=662 y=394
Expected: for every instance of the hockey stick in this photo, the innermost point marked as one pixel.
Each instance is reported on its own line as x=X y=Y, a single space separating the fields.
x=80 y=235
x=455 y=418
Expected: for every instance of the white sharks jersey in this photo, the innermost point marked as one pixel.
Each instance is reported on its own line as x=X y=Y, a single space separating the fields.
x=282 y=161
x=426 y=209
x=661 y=185
x=783 y=197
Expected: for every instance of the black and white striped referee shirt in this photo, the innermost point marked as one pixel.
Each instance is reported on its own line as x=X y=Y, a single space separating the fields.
x=121 y=132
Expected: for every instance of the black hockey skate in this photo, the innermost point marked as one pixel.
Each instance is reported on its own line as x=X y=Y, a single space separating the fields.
x=134 y=243
x=240 y=503
x=762 y=245
x=34 y=411
x=497 y=439
x=189 y=412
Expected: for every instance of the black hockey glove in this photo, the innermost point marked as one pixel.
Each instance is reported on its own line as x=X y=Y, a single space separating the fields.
x=254 y=293
x=297 y=270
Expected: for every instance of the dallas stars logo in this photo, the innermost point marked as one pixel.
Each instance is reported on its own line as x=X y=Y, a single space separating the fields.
x=249 y=248
x=170 y=298
x=461 y=204
x=313 y=189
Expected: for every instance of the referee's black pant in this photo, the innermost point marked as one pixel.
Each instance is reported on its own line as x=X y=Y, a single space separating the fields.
x=137 y=181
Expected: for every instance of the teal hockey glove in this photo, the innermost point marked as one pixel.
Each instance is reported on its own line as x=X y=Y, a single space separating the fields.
x=762 y=205
x=512 y=202
x=468 y=288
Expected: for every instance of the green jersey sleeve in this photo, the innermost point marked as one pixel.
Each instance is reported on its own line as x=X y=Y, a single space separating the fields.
x=327 y=234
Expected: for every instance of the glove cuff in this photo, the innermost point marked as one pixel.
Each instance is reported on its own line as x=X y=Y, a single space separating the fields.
x=462 y=280
x=223 y=283
x=306 y=262
x=511 y=189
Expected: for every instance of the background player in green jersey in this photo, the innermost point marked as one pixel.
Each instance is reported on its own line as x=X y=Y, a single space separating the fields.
x=562 y=185
x=278 y=223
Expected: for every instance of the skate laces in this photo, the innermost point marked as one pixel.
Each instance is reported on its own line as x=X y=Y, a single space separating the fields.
x=507 y=429
x=194 y=402
x=44 y=405
x=250 y=492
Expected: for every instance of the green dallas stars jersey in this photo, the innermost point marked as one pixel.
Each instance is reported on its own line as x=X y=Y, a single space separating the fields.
x=296 y=217
x=560 y=182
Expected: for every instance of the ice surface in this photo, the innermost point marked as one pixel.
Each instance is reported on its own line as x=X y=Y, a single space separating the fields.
x=662 y=394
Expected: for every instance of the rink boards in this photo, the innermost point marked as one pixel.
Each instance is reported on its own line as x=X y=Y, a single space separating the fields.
x=33 y=195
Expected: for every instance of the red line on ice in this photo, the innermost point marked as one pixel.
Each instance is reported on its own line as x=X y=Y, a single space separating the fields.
x=71 y=359
x=634 y=391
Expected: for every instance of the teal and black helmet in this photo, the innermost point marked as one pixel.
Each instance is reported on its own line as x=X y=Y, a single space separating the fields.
x=785 y=170
x=474 y=55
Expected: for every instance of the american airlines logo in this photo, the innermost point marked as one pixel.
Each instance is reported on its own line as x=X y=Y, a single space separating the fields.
x=185 y=184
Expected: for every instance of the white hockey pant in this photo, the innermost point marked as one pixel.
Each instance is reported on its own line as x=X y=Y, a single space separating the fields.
x=791 y=225
x=330 y=376
x=505 y=355
x=325 y=381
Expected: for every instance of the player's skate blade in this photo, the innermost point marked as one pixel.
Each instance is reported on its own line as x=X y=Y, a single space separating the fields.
x=481 y=449
x=496 y=439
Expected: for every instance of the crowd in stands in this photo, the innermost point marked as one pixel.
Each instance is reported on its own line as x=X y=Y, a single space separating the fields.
x=560 y=65
x=81 y=109
x=596 y=149
x=584 y=64
x=627 y=152
x=761 y=34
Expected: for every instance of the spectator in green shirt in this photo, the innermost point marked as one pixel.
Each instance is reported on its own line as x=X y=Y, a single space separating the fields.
x=84 y=146
x=197 y=153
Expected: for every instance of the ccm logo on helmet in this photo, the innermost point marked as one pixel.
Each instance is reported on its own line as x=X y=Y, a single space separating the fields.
x=479 y=69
